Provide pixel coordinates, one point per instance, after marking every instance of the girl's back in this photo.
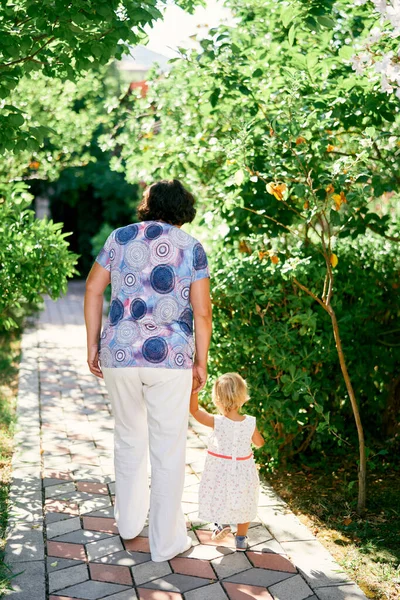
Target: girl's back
(232, 438)
(229, 485)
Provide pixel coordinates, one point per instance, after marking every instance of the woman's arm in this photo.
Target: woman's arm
(202, 314)
(257, 439)
(199, 414)
(96, 283)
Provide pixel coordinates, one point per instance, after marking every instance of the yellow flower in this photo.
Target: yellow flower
(274, 259)
(329, 189)
(300, 140)
(276, 189)
(339, 199)
(330, 148)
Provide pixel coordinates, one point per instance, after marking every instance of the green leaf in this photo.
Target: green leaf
(16, 119)
(214, 96)
(346, 52)
(291, 35)
(287, 15)
(257, 73)
(326, 21)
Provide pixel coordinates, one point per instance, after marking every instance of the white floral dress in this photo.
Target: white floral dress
(229, 488)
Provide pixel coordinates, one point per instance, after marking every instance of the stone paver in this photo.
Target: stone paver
(294, 588)
(145, 572)
(64, 456)
(66, 577)
(91, 590)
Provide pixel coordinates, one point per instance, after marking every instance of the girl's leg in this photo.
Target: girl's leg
(130, 449)
(167, 395)
(242, 528)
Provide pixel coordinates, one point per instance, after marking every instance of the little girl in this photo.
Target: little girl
(229, 485)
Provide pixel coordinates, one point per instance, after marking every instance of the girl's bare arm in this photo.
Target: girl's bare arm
(257, 439)
(199, 414)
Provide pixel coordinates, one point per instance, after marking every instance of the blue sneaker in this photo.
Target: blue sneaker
(241, 543)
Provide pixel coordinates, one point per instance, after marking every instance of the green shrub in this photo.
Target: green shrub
(281, 341)
(34, 256)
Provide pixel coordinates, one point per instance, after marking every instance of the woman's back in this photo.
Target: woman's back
(150, 321)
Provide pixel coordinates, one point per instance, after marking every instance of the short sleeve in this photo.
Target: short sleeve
(103, 257)
(200, 268)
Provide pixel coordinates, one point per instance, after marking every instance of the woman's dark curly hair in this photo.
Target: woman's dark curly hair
(167, 201)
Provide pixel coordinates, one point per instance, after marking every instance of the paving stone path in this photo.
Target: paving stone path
(63, 543)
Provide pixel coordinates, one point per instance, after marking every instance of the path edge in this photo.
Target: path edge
(24, 551)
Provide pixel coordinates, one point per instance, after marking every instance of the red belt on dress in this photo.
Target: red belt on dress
(230, 457)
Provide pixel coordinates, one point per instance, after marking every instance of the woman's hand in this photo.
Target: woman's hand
(199, 377)
(93, 361)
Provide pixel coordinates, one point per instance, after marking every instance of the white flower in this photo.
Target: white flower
(380, 6)
(385, 64)
(398, 93)
(385, 85)
(360, 2)
(375, 35)
(357, 65)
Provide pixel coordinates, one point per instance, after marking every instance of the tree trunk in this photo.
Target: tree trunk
(362, 471)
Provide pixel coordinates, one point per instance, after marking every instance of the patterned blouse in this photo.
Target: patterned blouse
(150, 321)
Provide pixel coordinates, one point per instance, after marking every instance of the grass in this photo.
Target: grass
(367, 548)
(9, 361)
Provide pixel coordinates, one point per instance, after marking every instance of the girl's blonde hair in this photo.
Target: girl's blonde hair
(229, 392)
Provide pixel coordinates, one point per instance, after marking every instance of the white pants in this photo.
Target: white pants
(151, 409)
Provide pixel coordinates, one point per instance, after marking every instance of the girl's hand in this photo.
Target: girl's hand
(93, 361)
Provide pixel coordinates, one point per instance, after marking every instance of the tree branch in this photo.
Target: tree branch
(27, 58)
(310, 293)
(392, 238)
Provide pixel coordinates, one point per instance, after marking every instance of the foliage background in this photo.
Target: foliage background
(275, 101)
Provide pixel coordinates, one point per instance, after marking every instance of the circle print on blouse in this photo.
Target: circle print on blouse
(180, 238)
(155, 349)
(183, 290)
(177, 357)
(162, 252)
(122, 357)
(116, 311)
(137, 255)
(149, 328)
(131, 283)
(106, 335)
(186, 321)
(199, 257)
(106, 357)
(126, 234)
(138, 309)
(166, 310)
(162, 279)
(115, 253)
(115, 282)
(153, 231)
(127, 332)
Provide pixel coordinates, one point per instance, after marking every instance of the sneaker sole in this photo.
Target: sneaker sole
(221, 535)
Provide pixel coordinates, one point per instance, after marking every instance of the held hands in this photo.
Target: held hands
(199, 377)
(93, 361)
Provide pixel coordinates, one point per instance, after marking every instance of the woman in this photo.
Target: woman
(159, 284)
